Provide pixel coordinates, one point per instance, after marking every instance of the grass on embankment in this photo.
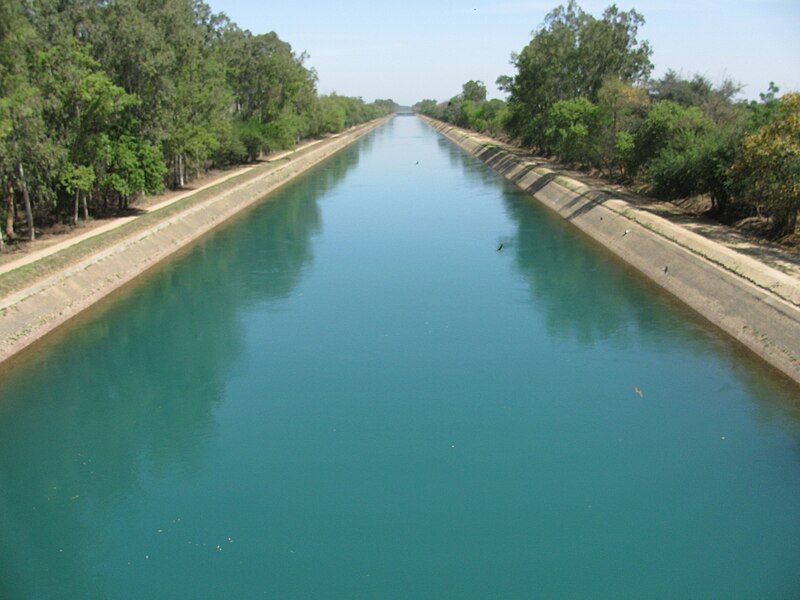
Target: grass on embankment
(25, 275)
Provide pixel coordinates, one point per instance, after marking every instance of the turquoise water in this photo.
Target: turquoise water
(348, 392)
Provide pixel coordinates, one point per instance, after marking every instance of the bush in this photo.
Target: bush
(768, 171)
(572, 130)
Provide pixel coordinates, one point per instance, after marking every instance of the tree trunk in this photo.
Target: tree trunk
(27, 201)
(784, 223)
(75, 211)
(10, 214)
(181, 177)
(85, 207)
(2, 243)
(791, 222)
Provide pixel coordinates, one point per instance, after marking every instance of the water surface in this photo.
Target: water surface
(348, 392)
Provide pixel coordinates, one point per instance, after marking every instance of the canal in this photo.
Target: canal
(349, 391)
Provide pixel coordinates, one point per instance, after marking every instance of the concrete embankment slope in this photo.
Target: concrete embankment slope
(29, 313)
(753, 302)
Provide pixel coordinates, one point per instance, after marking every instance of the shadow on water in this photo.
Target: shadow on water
(617, 304)
(600, 299)
(116, 398)
(460, 160)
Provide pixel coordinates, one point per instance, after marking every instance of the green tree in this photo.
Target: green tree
(769, 168)
(572, 130)
(426, 107)
(621, 110)
(765, 109)
(716, 102)
(101, 102)
(29, 157)
(572, 55)
(474, 91)
(78, 180)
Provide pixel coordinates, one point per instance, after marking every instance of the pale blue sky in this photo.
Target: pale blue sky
(413, 49)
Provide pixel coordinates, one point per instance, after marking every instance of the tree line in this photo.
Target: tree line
(583, 93)
(102, 101)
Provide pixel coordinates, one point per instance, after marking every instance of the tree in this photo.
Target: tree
(101, 102)
(426, 107)
(572, 55)
(78, 180)
(87, 111)
(716, 102)
(28, 154)
(621, 110)
(764, 111)
(474, 91)
(769, 169)
(572, 130)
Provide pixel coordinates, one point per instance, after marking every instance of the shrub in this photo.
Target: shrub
(572, 130)
(769, 169)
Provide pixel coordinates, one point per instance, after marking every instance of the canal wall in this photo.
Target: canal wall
(30, 313)
(754, 303)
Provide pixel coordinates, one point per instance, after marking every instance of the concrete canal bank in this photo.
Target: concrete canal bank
(755, 303)
(38, 307)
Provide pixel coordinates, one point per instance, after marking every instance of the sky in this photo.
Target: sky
(414, 49)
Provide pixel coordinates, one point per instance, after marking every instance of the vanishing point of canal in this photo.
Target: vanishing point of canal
(349, 392)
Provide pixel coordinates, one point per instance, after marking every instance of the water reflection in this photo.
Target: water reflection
(585, 307)
(464, 162)
(136, 383)
(599, 300)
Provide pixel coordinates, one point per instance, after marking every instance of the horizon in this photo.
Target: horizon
(358, 51)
